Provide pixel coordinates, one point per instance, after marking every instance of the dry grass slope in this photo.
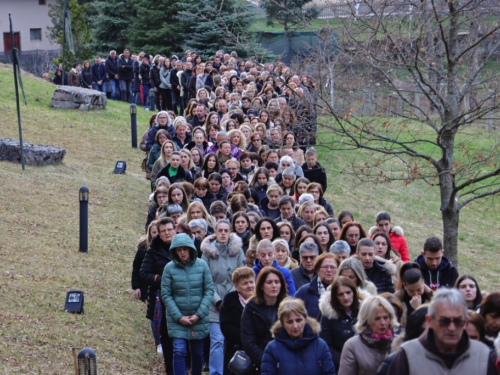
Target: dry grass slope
(39, 236)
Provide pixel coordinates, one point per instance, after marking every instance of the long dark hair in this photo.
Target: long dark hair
(276, 230)
(261, 279)
(334, 302)
(204, 167)
(479, 296)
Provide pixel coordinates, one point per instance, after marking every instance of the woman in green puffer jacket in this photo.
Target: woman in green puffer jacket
(187, 290)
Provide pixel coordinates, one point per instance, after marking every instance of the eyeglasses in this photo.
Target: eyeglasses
(312, 257)
(328, 267)
(445, 322)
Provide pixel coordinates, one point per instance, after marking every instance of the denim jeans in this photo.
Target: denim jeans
(180, 352)
(102, 88)
(113, 83)
(145, 95)
(125, 89)
(216, 350)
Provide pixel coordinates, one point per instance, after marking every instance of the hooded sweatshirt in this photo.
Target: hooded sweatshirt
(445, 275)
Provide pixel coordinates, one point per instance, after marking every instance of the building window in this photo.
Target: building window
(35, 34)
(42, 2)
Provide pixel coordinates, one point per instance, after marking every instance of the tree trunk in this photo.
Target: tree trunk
(450, 234)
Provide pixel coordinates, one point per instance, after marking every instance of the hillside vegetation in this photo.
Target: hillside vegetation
(39, 235)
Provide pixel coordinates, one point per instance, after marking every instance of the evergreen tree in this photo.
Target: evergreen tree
(110, 21)
(154, 27)
(289, 13)
(211, 25)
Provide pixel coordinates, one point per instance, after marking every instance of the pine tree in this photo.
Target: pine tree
(289, 13)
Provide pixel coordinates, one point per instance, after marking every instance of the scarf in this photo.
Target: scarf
(321, 287)
(243, 301)
(385, 336)
(288, 263)
(373, 340)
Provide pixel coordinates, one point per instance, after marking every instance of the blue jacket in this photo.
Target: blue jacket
(310, 295)
(152, 134)
(187, 290)
(99, 73)
(285, 272)
(308, 355)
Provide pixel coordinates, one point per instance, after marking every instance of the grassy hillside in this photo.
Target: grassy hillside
(39, 235)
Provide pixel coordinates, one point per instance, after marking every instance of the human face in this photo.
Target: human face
(183, 253)
(200, 112)
(315, 193)
(226, 179)
(289, 140)
(211, 162)
(272, 286)
(273, 156)
(262, 179)
(294, 325)
(246, 163)
(222, 106)
(260, 131)
(468, 289)
(214, 119)
(288, 181)
(264, 117)
(415, 289)
(285, 233)
(272, 172)
(335, 230)
(307, 260)
(273, 197)
(166, 232)
(199, 138)
(196, 156)
(199, 233)
(281, 255)
(492, 323)
(222, 233)
(266, 230)
(284, 165)
(233, 169)
(257, 141)
(214, 186)
(168, 148)
(432, 260)
(345, 296)
(323, 235)
(311, 160)
(350, 274)
(161, 198)
(384, 226)
(162, 120)
(320, 218)
(246, 133)
(200, 191)
(380, 246)
(176, 196)
(266, 256)
(175, 161)
(367, 255)
(196, 213)
(253, 221)
(246, 287)
(328, 270)
(308, 214)
(212, 132)
(235, 139)
(352, 235)
(286, 210)
(275, 136)
(472, 331)
(345, 220)
(162, 138)
(240, 225)
(184, 160)
(448, 336)
(225, 149)
(153, 231)
(230, 126)
(382, 320)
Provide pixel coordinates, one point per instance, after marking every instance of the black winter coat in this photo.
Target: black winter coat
(151, 215)
(309, 293)
(315, 174)
(222, 194)
(126, 69)
(112, 67)
(381, 278)
(230, 326)
(207, 200)
(86, 78)
(327, 206)
(155, 260)
(137, 82)
(144, 72)
(255, 329)
(179, 177)
(136, 268)
(154, 77)
(174, 81)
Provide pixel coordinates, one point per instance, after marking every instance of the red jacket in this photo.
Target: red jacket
(399, 243)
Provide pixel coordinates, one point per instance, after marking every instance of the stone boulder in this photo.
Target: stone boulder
(69, 97)
(34, 154)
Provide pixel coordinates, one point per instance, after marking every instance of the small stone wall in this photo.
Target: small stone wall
(34, 154)
(69, 97)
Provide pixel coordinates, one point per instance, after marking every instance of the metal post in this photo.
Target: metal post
(133, 124)
(84, 219)
(64, 40)
(15, 63)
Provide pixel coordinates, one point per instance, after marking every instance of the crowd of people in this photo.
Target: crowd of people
(243, 256)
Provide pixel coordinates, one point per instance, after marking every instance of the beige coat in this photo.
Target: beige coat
(359, 359)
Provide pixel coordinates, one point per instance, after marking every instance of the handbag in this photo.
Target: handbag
(241, 364)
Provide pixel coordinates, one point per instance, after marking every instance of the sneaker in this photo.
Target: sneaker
(159, 349)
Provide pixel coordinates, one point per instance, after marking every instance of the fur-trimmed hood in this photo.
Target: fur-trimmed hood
(497, 346)
(313, 323)
(208, 246)
(397, 230)
(325, 305)
(390, 268)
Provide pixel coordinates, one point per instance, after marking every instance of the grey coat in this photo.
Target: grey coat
(222, 259)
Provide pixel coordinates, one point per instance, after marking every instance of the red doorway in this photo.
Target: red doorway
(7, 43)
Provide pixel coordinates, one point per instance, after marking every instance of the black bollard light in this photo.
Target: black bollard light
(133, 124)
(87, 362)
(151, 99)
(84, 219)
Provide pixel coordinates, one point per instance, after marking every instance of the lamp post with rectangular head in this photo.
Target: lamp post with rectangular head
(84, 219)
(133, 124)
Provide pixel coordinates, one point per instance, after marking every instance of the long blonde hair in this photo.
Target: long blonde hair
(163, 160)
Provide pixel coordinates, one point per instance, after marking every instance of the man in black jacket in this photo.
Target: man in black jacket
(184, 81)
(125, 75)
(286, 206)
(112, 70)
(176, 88)
(144, 69)
(99, 76)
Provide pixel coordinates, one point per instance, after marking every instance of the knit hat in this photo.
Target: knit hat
(305, 197)
(182, 240)
(340, 246)
(281, 242)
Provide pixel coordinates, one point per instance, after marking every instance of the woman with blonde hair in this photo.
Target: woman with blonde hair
(306, 212)
(197, 210)
(237, 138)
(363, 354)
(297, 348)
(283, 254)
(167, 149)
